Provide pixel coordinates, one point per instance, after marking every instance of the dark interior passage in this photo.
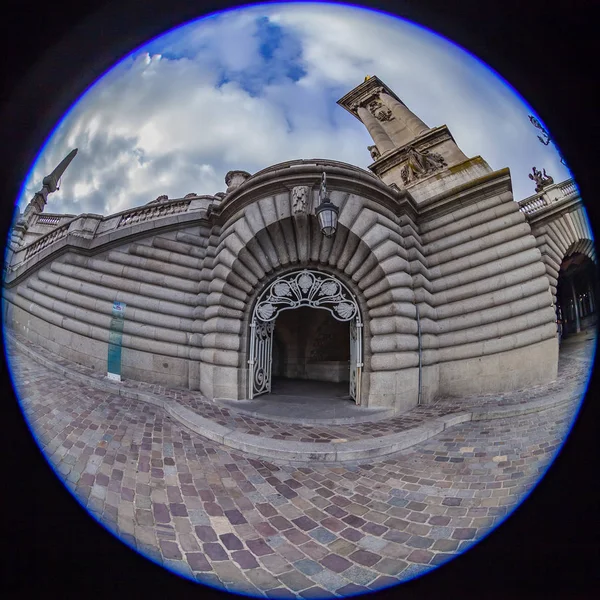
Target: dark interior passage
(576, 295)
(310, 344)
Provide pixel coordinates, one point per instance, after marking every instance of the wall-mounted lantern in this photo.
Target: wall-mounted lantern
(326, 212)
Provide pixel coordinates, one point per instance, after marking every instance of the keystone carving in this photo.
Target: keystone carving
(300, 196)
(420, 164)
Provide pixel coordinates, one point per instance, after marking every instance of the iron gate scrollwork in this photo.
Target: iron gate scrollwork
(293, 290)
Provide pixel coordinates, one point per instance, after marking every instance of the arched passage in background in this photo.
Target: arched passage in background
(577, 294)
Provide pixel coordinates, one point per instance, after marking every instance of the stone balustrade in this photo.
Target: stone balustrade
(548, 196)
(46, 240)
(52, 220)
(90, 225)
(154, 211)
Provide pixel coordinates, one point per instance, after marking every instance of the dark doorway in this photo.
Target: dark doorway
(576, 295)
(311, 354)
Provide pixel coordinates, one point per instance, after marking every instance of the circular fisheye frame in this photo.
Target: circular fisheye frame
(300, 377)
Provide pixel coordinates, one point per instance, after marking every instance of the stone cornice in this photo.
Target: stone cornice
(363, 93)
(428, 140)
(491, 184)
(340, 177)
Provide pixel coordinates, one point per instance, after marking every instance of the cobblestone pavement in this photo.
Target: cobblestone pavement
(277, 530)
(572, 373)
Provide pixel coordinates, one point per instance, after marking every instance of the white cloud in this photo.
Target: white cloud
(159, 123)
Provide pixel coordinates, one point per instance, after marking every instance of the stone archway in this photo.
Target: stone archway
(576, 293)
(294, 290)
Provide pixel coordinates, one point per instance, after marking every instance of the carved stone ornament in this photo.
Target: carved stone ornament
(420, 164)
(300, 196)
(375, 154)
(542, 180)
(379, 111)
(162, 198)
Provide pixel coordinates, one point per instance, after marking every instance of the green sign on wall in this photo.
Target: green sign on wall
(115, 337)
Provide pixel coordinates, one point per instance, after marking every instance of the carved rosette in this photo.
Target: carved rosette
(300, 198)
(420, 164)
(306, 288)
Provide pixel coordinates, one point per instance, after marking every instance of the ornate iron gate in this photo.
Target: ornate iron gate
(292, 290)
(355, 359)
(261, 356)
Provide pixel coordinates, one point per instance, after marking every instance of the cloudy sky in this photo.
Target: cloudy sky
(257, 86)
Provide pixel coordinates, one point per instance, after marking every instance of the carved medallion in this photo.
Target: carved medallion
(379, 111)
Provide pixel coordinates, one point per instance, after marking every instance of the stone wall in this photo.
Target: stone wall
(465, 258)
(484, 299)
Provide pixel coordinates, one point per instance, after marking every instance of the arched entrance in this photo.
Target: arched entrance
(576, 294)
(304, 290)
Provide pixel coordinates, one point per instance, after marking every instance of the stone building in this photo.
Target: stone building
(433, 281)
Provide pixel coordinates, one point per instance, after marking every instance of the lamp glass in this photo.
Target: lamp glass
(327, 213)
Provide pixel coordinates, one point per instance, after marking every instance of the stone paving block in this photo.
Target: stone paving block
(372, 543)
(231, 541)
(360, 575)
(261, 578)
(314, 550)
(308, 567)
(215, 551)
(316, 592)
(280, 592)
(146, 477)
(259, 547)
(275, 564)
(365, 558)
(295, 581)
(336, 563)
(351, 589)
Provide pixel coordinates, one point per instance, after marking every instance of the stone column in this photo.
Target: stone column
(576, 306)
(412, 122)
(380, 137)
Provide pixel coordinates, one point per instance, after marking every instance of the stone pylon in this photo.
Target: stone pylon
(38, 202)
(405, 149)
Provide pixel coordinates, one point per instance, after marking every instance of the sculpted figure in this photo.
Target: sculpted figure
(542, 179)
(375, 154)
(420, 164)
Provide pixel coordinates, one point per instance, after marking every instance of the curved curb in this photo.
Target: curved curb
(377, 414)
(329, 452)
